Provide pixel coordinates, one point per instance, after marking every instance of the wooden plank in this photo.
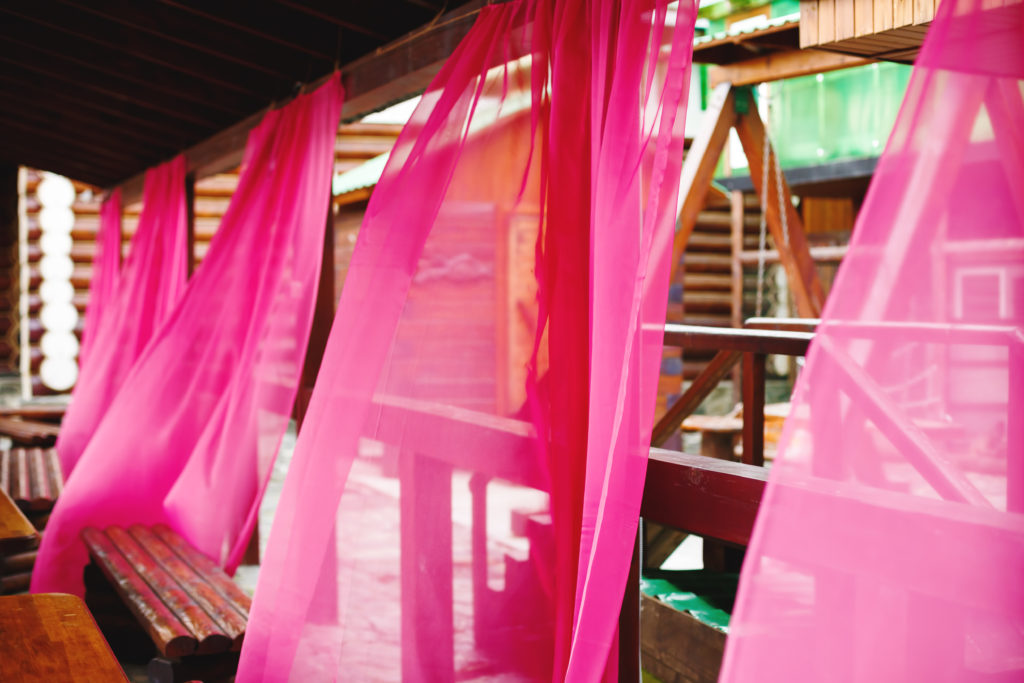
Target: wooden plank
(808, 23)
(737, 213)
(783, 324)
(863, 17)
(678, 647)
(699, 389)
(724, 339)
(699, 165)
(16, 533)
(825, 254)
(826, 21)
(779, 65)
(207, 633)
(428, 639)
(883, 15)
(705, 496)
(56, 474)
(792, 246)
(224, 613)
(845, 27)
(53, 638)
(171, 637)
(924, 11)
(753, 408)
(205, 566)
(5, 471)
(902, 13)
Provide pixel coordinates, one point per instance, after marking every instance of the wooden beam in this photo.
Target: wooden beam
(705, 496)
(721, 364)
(779, 65)
(791, 243)
(397, 71)
(699, 165)
(726, 339)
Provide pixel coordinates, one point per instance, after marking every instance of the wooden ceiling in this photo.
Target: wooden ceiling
(99, 90)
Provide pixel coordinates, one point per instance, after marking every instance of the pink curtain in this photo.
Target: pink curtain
(464, 494)
(190, 438)
(890, 543)
(150, 285)
(106, 268)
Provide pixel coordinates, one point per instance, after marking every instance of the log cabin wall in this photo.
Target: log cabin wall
(356, 143)
(9, 269)
(882, 29)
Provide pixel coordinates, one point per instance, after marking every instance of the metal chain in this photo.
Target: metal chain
(763, 237)
(766, 158)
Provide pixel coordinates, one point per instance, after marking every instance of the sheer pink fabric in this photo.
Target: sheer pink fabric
(890, 544)
(190, 438)
(106, 269)
(464, 495)
(150, 285)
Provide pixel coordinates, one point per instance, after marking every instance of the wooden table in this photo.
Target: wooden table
(52, 637)
(16, 533)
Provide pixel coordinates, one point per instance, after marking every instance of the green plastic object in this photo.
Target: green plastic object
(707, 596)
(846, 114)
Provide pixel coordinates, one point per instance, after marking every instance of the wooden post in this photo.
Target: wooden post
(699, 166)
(736, 215)
(753, 408)
(428, 640)
(801, 272)
(190, 221)
(629, 618)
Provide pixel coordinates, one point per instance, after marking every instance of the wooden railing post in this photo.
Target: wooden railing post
(753, 408)
(629, 617)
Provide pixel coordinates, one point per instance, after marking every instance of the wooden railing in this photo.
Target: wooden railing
(716, 499)
(750, 346)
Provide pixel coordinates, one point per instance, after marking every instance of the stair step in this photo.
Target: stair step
(722, 221)
(701, 263)
(707, 281)
(709, 241)
(706, 302)
(708, 320)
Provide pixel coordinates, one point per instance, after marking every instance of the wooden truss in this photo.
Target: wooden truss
(734, 108)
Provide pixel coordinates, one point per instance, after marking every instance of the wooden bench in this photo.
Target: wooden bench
(192, 612)
(24, 432)
(50, 638)
(18, 543)
(32, 478)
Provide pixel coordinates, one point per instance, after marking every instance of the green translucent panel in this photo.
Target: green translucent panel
(843, 114)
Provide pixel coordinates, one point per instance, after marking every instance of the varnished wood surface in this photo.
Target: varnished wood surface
(16, 533)
(28, 432)
(31, 477)
(52, 637)
(184, 601)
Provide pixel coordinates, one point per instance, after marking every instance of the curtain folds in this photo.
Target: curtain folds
(190, 438)
(106, 269)
(890, 542)
(148, 288)
(463, 498)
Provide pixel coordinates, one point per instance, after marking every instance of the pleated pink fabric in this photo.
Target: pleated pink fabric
(890, 543)
(190, 438)
(464, 494)
(149, 287)
(106, 271)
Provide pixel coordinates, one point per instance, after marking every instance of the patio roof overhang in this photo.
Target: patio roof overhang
(100, 91)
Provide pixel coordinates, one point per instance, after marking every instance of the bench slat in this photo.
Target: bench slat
(56, 474)
(40, 482)
(166, 630)
(206, 567)
(209, 636)
(21, 475)
(5, 471)
(197, 586)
